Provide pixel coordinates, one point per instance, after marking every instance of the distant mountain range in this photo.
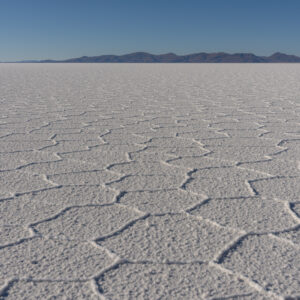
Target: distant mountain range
(202, 57)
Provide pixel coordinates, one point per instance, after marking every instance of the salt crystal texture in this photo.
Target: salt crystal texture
(149, 181)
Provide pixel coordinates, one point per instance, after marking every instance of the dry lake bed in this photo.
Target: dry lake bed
(149, 181)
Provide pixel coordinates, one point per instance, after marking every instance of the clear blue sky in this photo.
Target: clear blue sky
(40, 29)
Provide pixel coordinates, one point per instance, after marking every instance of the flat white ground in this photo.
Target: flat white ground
(149, 181)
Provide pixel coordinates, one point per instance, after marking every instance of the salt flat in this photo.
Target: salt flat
(150, 181)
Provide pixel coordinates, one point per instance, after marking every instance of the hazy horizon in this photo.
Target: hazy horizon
(49, 58)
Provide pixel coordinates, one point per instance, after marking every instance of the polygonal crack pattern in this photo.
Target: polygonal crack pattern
(149, 182)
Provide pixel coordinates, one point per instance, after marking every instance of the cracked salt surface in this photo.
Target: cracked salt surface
(143, 181)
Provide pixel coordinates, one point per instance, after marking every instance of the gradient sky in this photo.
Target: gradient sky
(40, 29)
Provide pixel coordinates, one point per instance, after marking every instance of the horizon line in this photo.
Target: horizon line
(149, 53)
